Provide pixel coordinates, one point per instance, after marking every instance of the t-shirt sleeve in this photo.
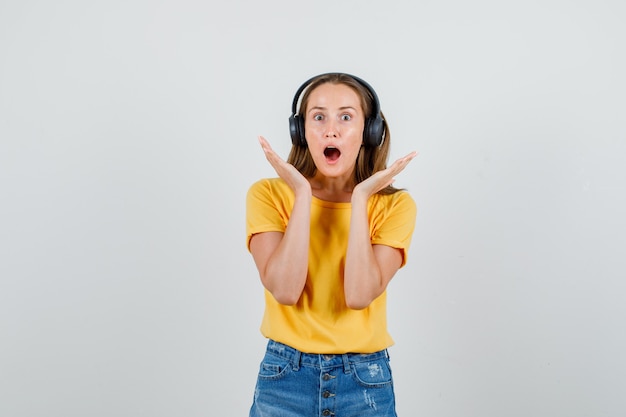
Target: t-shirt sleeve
(394, 224)
(264, 210)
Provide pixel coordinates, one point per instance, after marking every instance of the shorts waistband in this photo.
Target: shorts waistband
(298, 358)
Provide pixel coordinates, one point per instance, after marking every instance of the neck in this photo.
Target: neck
(337, 190)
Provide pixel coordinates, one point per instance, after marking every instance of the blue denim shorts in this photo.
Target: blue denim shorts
(295, 384)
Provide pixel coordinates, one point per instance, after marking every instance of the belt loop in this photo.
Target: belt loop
(346, 363)
(296, 359)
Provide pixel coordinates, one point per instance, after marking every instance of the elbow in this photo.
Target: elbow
(358, 306)
(286, 298)
(287, 295)
(357, 303)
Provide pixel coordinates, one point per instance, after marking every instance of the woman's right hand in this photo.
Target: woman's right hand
(294, 179)
(283, 258)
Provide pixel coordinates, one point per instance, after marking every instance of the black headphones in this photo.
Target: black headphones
(373, 132)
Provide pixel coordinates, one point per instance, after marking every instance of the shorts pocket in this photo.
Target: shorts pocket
(274, 367)
(372, 374)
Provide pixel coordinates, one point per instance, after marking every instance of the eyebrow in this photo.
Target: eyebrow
(324, 108)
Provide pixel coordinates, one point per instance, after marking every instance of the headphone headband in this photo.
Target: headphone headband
(373, 132)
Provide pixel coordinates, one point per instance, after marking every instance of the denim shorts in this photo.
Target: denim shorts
(295, 384)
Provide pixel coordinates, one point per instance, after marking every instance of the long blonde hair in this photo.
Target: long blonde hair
(370, 159)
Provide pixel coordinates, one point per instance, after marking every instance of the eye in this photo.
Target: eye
(346, 117)
(318, 117)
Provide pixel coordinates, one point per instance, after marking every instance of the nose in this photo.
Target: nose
(331, 130)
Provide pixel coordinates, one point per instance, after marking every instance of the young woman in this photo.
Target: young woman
(327, 235)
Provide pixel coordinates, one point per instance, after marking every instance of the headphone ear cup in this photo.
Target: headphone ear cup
(296, 130)
(373, 131)
(293, 130)
(301, 132)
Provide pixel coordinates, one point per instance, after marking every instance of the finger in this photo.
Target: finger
(264, 143)
(401, 163)
(267, 149)
(409, 157)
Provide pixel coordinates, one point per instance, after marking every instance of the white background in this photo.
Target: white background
(128, 141)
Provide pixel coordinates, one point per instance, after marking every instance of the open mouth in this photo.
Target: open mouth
(332, 154)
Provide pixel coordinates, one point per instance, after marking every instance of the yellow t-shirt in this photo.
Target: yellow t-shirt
(320, 322)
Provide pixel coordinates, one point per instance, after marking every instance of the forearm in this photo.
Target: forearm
(363, 279)
(286, 269)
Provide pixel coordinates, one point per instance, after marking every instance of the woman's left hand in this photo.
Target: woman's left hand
(382, 179)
